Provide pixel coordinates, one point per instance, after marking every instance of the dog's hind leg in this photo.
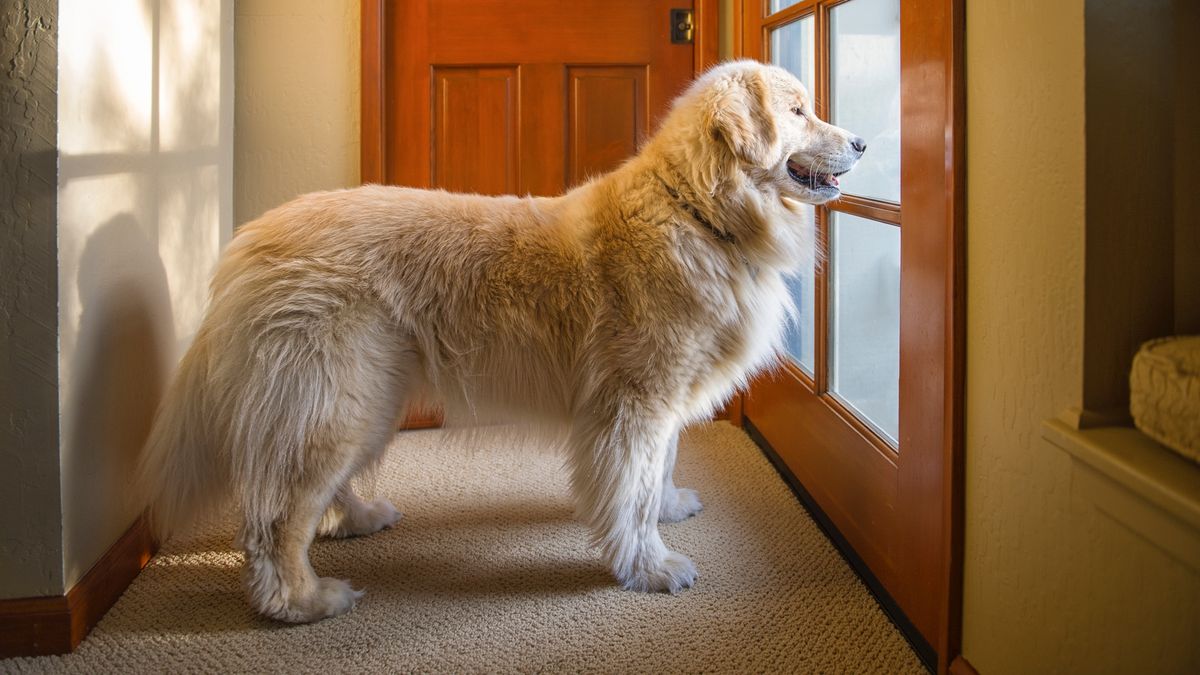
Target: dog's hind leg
(279, 578)
(677, 503)
(350, 516)
(337, 409)
(617, 474)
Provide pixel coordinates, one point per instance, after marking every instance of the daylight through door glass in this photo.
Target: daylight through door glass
(864, 72)
(864, 335)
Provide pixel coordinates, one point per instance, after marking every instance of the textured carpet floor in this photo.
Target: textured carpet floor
(487, 572)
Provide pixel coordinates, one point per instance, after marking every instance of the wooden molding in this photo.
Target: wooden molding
(57, 624)
(960, 666)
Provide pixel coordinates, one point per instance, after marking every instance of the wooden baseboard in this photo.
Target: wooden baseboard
(57, 624)
(960, 666)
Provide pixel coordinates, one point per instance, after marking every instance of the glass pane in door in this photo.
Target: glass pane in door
(864, 71)
(777, 5)
(800, 338)
(792, 46)
(864, 335)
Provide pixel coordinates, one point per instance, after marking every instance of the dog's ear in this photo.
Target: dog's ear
(739, 117)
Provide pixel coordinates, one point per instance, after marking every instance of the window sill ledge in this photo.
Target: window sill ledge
(1137, 482)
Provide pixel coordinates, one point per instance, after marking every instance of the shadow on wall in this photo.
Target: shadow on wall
(144, 199)
(120, 361)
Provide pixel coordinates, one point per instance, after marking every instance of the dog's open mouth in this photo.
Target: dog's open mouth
(813, 181)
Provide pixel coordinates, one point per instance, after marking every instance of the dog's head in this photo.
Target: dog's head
(760, 122)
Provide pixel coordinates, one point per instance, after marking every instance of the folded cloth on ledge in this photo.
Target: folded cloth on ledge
(1164, 393)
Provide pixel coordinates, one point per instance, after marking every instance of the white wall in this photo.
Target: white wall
(145, 202)
(297, 118)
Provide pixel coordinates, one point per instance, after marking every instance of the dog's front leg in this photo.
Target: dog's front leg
(677, 503)
(618, 480)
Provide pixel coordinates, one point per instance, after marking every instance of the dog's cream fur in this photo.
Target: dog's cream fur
(611, 316)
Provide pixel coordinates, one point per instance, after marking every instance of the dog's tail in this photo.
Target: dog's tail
(180, 478)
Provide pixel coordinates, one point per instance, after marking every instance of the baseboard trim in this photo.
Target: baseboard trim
(961, 666)
(57, 624)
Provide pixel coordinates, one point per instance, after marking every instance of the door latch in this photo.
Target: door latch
(683, 26)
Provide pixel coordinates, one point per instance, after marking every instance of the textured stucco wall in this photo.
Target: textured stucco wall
(144, 203)
(297, 118)
(30, 522)
(1187, 168)
(1050, 584)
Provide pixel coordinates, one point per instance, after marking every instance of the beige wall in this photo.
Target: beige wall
(1051, 585)
(144, 204)
(297, 111)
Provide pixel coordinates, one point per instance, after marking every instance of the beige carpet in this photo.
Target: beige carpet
(487, 572)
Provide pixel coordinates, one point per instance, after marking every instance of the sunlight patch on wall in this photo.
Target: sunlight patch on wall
(105, 78)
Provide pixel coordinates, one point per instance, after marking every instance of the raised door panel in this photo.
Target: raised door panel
(475, 126)
(606, 118)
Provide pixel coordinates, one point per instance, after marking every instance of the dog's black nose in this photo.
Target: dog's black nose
(859, 144)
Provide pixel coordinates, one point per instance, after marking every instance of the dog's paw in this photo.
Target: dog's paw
(377, 515)
(330, 597)
(333, 597)
(361, 519)
(675, 573)
(681, 505)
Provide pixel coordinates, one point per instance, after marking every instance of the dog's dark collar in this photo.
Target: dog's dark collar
(695, 213)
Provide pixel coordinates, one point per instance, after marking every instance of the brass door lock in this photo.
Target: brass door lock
(683, 26)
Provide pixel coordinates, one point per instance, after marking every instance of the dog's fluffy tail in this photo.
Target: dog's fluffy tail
(180, 478)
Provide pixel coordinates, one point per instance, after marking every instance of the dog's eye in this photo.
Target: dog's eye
(797, 111)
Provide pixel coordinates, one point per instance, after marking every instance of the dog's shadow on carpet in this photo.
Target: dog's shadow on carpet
(487, 549)
(476, 553)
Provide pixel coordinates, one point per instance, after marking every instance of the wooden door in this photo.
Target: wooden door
(518, 96)
(866, 412)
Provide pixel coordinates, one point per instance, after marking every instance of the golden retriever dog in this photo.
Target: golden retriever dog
(608, 318)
